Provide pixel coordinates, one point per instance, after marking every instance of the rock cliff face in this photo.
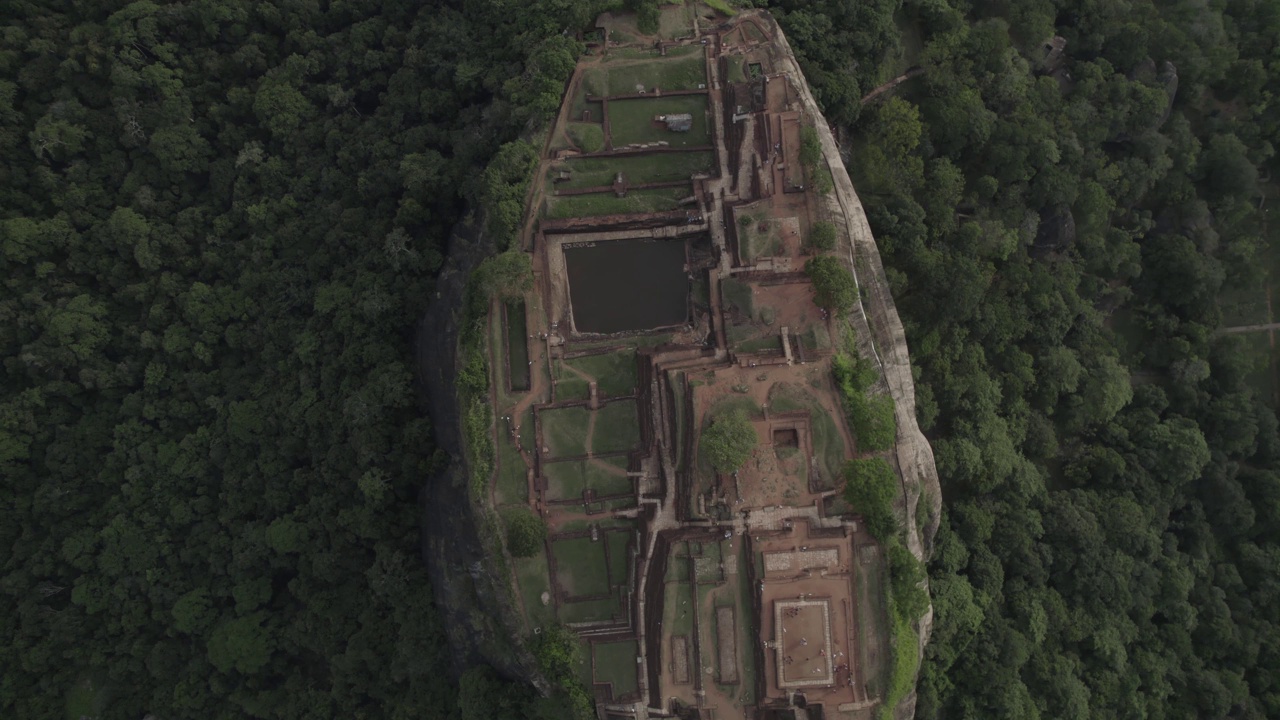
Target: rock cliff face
(467, 589)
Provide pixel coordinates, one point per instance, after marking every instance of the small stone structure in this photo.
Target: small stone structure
(679, 122)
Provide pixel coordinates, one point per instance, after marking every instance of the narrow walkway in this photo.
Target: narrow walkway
(1249, 328)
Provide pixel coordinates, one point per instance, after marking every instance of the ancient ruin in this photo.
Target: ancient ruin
(669, 227)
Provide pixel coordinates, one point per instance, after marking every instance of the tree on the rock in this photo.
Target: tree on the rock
(507, 275)
(525, 533)
(832, 283)
(870, 486)
(729, 441)
(822, 236)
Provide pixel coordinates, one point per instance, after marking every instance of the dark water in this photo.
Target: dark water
(627, 285)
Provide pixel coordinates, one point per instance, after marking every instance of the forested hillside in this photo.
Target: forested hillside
(219, 222)
(1065, 236)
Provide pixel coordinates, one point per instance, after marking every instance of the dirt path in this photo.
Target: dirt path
(1268, 327)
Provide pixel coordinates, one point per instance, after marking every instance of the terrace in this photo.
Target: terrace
(668, 254)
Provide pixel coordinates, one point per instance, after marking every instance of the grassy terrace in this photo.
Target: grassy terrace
(632, 121)
(615, 663)
(566, 430)
(607, 203)
(586, 136)
(568, 479)
(631, 53)
(615, 373)
(684, 73)
(591, 610)
(637, 169)
(580, 566)
(873, 616)
(533, 578)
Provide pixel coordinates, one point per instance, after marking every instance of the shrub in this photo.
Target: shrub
(507, 275)
(871, 417)
(525, 532)
(647, 15)
(910, 600)
(810, 147)
(822, 236)
(873, 422)
(588, 137)
(870, 487)
(729, 441)
(834, 286)
(559, 655)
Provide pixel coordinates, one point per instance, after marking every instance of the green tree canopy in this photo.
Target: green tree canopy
(833, 285)
(526, 532)
(822, 236)
(729, 440)
(507, 275)
(870, 488)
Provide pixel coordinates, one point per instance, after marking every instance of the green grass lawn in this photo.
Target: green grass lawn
(615, 373)
(768, 342)
(873, 617)
(638, 169)
(571, 387)
(595, 83)
(678, 612)
(757, 243)
(607, 203)
(512, 485)
(567, 480)
(533, 578)
(617, 427)
(518, 345)
(626, 53)
(580, 566)
(737, 70)
(709, 563)
(592, 110)
(631, 121)
(619, 558)
(738, 294)
(684, 73)
(635, 341)
(584, 663)
(615, 663)
(587, 136)
(676, 22)
(604, 524)
(677, 568)
(565, 430)
(590, 610)
(815, 337)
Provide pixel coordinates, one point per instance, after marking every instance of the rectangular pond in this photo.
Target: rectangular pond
(627, 284)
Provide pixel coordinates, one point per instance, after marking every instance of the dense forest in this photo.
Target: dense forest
(220, 220)
(1066, 233)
